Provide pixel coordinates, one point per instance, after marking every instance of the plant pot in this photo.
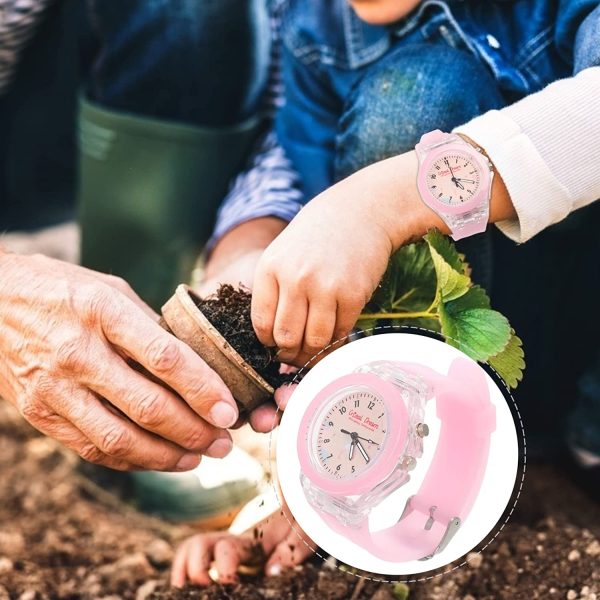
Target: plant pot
(186, 321)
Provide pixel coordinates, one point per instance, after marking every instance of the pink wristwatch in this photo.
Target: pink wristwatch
(455, 181)
(363, 434)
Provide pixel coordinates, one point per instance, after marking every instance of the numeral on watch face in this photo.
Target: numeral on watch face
(453, 179)
(351, 434)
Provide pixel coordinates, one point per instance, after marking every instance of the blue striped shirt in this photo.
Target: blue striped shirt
(269, 185)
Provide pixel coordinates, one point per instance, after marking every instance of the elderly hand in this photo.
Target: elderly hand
(66, 336)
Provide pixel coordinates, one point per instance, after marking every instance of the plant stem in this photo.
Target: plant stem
(424, 314)
(398, 303)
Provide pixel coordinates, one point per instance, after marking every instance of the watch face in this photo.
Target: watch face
(349, 433)
(453, 179)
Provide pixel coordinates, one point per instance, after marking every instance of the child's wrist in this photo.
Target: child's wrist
(406, 217)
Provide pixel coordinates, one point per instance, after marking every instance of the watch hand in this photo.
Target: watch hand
(465, 180)
(362, 451)
(355, 435)
(351, 450)
(451, 171)
(454, 179)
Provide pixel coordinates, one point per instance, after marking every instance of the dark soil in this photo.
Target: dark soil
(62, 537)
(229, 311)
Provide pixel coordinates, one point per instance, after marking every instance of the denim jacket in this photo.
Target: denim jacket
(525, 44)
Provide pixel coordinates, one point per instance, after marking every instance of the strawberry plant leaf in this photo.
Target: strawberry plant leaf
(451, 283)
(428, 284)
(409, 284)
(475, 298)
(478, 332)
(447, 250)
(509, 363)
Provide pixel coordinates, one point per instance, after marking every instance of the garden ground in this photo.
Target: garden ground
(62, 536)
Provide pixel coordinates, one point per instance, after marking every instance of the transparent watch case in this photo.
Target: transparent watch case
(354, 510)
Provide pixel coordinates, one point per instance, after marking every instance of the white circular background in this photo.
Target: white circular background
(499, 476)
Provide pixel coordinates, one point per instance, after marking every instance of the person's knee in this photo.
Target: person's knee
(168, 59)
(413, 90)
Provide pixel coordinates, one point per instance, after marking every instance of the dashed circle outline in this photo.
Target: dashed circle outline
(436, 575)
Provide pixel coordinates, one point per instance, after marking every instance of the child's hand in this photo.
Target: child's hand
(315, 278)
(279, 542)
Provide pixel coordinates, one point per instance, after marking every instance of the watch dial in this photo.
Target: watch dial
(350, 433)
(453, 179)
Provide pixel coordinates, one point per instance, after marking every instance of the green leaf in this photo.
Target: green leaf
(451, 283)
(509, 363)
(476, 297)
(432, 278)
(432, 324)
(446, 248)
(409, 284)
(450, 267)
(478, 332)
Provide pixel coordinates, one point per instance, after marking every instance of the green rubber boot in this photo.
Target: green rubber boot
(209, 496)
(148, 194)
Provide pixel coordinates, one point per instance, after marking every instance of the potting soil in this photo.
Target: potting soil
(229, 312)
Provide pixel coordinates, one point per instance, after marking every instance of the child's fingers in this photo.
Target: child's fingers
(289, 552)
(290, 322)
(179, 566)
(199, 555)
(282, 395)
(320, 323)
(229, 554)
(264, 306)
(346, 317)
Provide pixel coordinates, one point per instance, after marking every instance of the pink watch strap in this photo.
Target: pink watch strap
(433, 138)
(444, 500)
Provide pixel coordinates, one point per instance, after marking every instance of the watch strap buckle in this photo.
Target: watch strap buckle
(452, 526)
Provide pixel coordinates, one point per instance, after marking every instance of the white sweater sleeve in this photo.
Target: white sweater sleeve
(547, 149)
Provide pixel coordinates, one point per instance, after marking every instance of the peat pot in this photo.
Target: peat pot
(182, 317)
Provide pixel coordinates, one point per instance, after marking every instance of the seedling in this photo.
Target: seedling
(428, 284)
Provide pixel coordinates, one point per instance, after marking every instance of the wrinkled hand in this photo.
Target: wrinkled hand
(67, 335)
(280, 543)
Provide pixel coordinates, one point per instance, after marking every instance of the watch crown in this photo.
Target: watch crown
(422, 430)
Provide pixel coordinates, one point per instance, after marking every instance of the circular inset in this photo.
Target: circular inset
(397, 454)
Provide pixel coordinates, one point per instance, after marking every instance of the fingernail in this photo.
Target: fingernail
(219, 448)
(274, 570)
(222, 414)
(187, 462)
